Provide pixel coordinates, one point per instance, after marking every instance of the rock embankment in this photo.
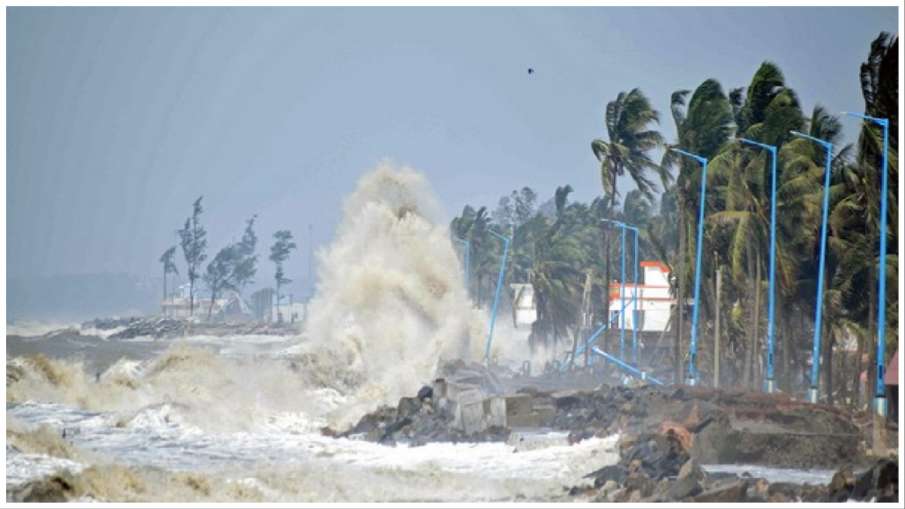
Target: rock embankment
(658, 468)
(165, 327)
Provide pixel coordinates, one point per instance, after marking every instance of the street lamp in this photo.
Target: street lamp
(880, 394)
(769, 384)
(496, 297)
(815, 353)
(693, 347)
(465, 257)
(622, 227)
(634, 295)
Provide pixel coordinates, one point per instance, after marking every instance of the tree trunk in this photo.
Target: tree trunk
(680, 293)
(210, 307)
(716, 328)
(279, 316)
(782, 344)
(828, 365)
(191, 297)
(871, 385)
(756, 345)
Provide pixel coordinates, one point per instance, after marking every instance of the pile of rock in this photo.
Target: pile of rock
(159, 327)
(428, 417)
(152, 327)
(658, 468)
(110, 323)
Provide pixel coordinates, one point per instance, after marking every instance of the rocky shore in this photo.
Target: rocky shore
(658, 468)
(667, 434)
(164, 327)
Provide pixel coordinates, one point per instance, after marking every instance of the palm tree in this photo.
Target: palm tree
(565, 250)
(879, 87)
(630, 139)
(168, 259)
(703, 128)
(473, 226)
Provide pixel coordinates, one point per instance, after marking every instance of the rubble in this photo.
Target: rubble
(713, 426)
(647, 471)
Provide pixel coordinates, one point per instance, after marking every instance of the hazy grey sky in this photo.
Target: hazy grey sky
(118, 118)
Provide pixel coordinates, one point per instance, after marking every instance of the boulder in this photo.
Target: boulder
(688, 481)
(842, 484)
(614, 473)
(426, 392)
(732, 491)
(641, 484)
(879, 482)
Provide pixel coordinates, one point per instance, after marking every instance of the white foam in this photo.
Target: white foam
(23, 467)
(773, 474)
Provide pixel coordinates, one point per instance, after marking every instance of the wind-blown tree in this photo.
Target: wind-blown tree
(565, 248)
(512, 213)
(880, 87)
(218, 275)
(233, 267)
(702, 128)
(193, 239)
(855, 218)
(169, 266)
(279, 253)
(626, 151)
(473, 226)
(246, 268)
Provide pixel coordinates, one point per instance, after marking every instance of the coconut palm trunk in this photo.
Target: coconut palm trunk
(680, 294)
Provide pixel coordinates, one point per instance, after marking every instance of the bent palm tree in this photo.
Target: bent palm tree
(630, 139)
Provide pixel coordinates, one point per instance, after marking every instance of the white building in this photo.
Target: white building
(654, 300)
(523, 304)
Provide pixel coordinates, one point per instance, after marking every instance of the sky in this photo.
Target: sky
(118, 118)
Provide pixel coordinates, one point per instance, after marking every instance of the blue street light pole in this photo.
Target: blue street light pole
(496, 297)
(815, 353)
(634, 295)
(693, 347)
(466, 258)
(621, 226)
(880, 404)
(622, 299)
(769, 383)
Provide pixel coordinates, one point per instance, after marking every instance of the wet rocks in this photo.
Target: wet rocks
(610, 473)
(111, 323)
(688, 482)
(53, 488)
(725, 491)
(657, 468)
(421, 419)
(878, 482)
(155, 328)
(159, 327)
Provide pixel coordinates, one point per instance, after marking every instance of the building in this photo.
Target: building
(654, 301)
(525, 313)
(230, 306)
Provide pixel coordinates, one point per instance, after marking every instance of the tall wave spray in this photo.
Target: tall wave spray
(390, 302)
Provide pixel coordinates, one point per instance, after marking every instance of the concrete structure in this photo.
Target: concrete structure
(229, 307)
(523, 305)
(654, 300)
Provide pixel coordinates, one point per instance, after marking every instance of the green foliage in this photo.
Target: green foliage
(233, 267)
(193, 240)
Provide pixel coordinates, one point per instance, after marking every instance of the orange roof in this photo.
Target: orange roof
(653, 263)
